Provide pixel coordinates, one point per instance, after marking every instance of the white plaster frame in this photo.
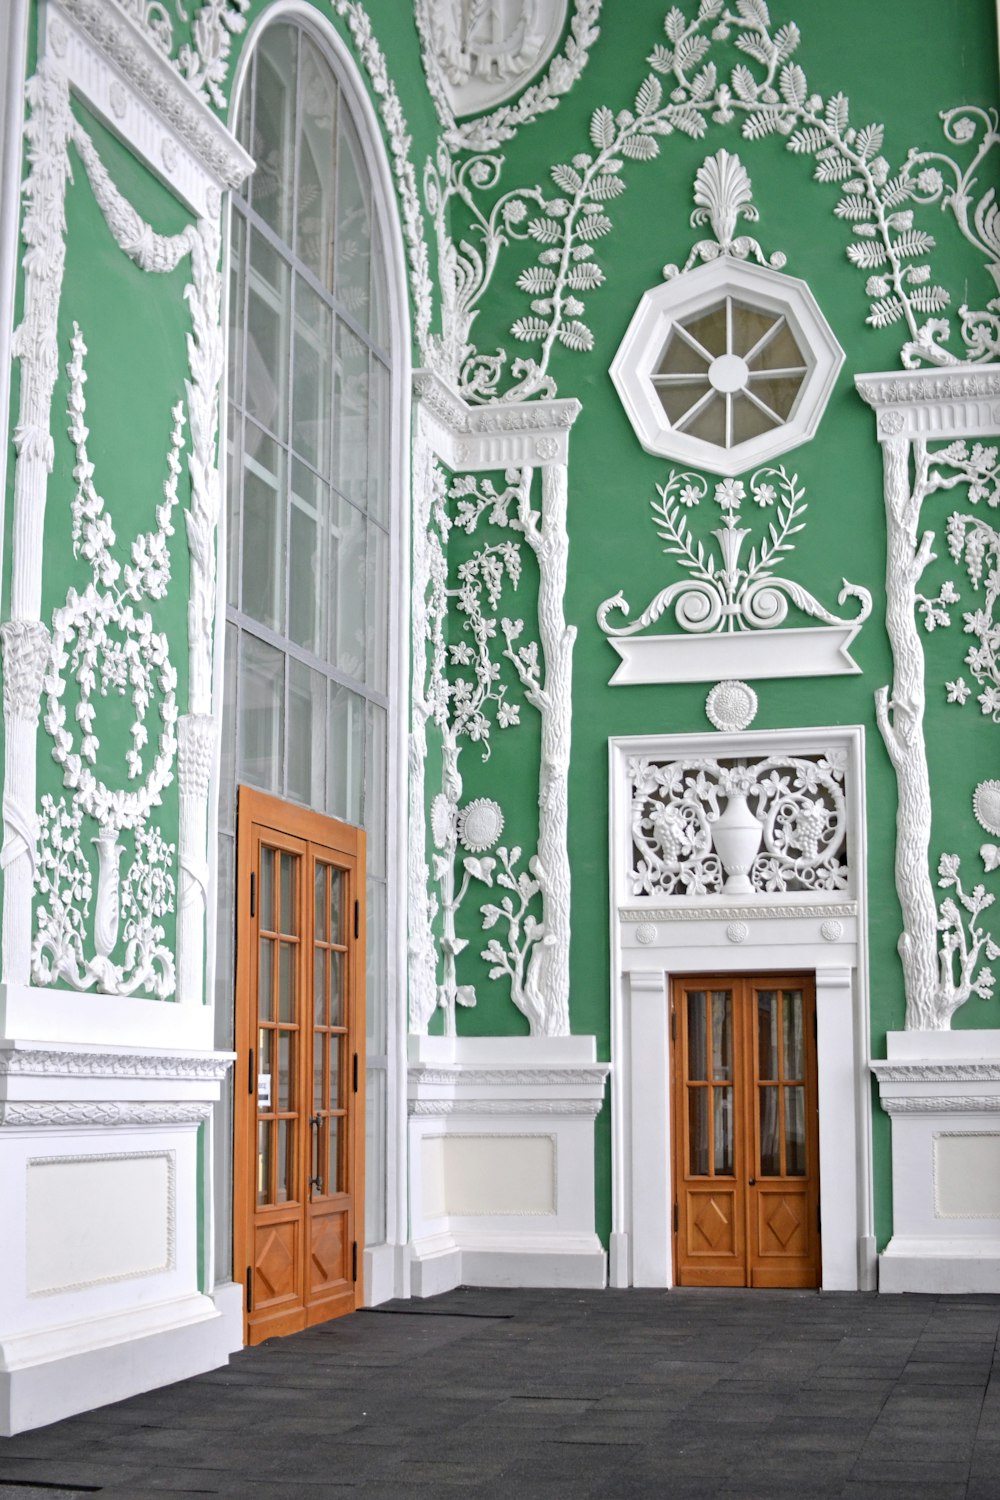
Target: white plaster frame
(653, 939)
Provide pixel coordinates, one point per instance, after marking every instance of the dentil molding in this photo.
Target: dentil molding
(696, 912)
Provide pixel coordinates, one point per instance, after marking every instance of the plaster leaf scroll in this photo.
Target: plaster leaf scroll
(723, 195)
(730, 591)
(203, 62)
(103, 640)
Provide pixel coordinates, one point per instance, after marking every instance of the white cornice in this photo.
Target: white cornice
(514, 434)
(701, 913)
(55, 1113)
(964, 402)
(18, 1058)
(116, 68)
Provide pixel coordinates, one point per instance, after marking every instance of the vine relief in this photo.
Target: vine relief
(203, 62)
(104, 642)
(701, 827)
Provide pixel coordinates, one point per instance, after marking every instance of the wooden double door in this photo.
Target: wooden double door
(745, 1131)
(299, 1099)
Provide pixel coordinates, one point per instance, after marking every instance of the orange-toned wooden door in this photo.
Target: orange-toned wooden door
(299, 1116)
(745, 1131)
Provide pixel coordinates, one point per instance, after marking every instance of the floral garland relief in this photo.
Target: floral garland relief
(104, 640)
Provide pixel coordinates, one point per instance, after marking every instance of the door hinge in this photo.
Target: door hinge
(354, 1261)
(677, 1218)
(355, 1072)
(253, 893)
(249, 1289)
(357, 919)
(250, 1074)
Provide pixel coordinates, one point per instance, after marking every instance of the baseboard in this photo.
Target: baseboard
(447, 1261)
(939, 1267)
(57, 1372)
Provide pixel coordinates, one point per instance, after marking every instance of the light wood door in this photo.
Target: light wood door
(745, 1131)
(299, 1116)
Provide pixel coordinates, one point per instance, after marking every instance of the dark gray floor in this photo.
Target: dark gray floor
(678, 1394)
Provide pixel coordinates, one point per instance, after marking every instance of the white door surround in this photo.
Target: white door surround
(655, 937)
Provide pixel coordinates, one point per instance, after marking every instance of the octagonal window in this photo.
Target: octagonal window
(726, 366)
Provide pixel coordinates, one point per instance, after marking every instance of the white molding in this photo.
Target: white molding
(115, 66)
(476, 438)
(87, 1060)
(801, 651)
(931, 403)
(58, 1114)
(785, 940)
(14, 27)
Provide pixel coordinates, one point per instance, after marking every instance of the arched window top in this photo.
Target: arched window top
(311, 186)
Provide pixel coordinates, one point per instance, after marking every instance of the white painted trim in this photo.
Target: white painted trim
(14, 50)
(960, 402)
(789, 939)
(803, 651)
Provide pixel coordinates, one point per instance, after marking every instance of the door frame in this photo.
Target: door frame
(291, 822)
(653, 940)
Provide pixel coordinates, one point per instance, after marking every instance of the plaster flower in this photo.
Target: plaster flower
(730, 493)
(689, 495)
(480, 824)
(876, 286)
(442, 815)
(765, 494)
(930, 180)
(516, 211)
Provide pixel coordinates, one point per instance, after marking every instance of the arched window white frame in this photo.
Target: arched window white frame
(312, 572)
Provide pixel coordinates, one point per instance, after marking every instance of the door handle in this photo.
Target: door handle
(752, 1182)
(314, 1124)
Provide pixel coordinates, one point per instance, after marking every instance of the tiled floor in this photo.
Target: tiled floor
(519, 1394)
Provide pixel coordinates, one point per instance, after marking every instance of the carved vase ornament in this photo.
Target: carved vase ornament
(737, 836)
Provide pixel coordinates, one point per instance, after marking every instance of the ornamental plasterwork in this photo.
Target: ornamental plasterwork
(84, 1112)
(486, 50)
(703, 827)
(731, 706)
(723, 195)
(732, 587)
(203, 62)
(756, 913)
(43, 1061)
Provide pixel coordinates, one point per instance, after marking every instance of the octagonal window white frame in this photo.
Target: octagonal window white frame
(685, 298)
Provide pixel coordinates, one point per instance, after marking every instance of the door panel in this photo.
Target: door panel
(299, 1118)
(745, 1131)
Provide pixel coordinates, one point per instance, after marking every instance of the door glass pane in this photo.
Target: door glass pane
(698, 1131)
(770, 1134)
(286, 1161)
(265, 395)
(263, 569)
(306, 734)
(264, 1055)
(264, 1163)
(265, 982)
(336, 989)
(337, 1048)
(261, 713)
(321, 930)
(336, 927)
(314, 230)
(312, 375)
(334, 1180)
(697, 1019)
(723, 1132)
(722, 1034)
(795, 1132)
(792, 1016)
(319, 1087)
(286, 982)
(286, 1071)
(321, 969)
(767, 1034)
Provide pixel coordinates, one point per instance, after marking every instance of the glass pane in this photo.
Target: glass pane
(770, 1134)
(709, 329)
(321, 931)
(234, 503)
(350, 470)
(266, 904)
(795, 1065)
(242, 128)
(698, 1132)
(261, 713)
(286, 1071)
(697, 1019)
(286, 918)
(337, 1072)
(375, 1156)
(379, 467)
(265, 394)
(795, 1132)
(346, 749)
(319, 1089)
(321, 969)
(336, 928)
(678, 397)
(377, 634)
(352, 279)
(334, 1174)
(780, 352)
(777, 393)
(312, 373)
(680, 357)
(767, 1034)
(274, 128)
(380, 291)
(317, 165)
(237, 309)
(227, 764)
(749, 326)
(336, 989)
(286, 982)
(723, 1132)
(375, 959)
(262, 592)
(748, 419)
(309, 524)
(722, 1034)
(306, 735)
(265, 980)
(263, 1163)
(265, 1038)
(710, 423)
(286, 1161)
(347, 584)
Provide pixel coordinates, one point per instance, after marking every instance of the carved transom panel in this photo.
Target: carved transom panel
(702, 826)
(726, 366)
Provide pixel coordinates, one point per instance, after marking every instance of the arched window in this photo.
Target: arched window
(308, 563)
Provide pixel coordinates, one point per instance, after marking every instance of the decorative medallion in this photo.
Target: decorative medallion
(832, 931)
(731, 706)
(480, 824)
(442, 820)
(487, 50)
(737, 932)
(986, 806)
(645, 934)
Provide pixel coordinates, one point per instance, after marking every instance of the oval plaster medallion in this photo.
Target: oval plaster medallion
(118, 99)
(737, 932)
(832, 932)
(731, 705)
(645, 934)
(986, 805)
(487, 53)
(168, 153)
